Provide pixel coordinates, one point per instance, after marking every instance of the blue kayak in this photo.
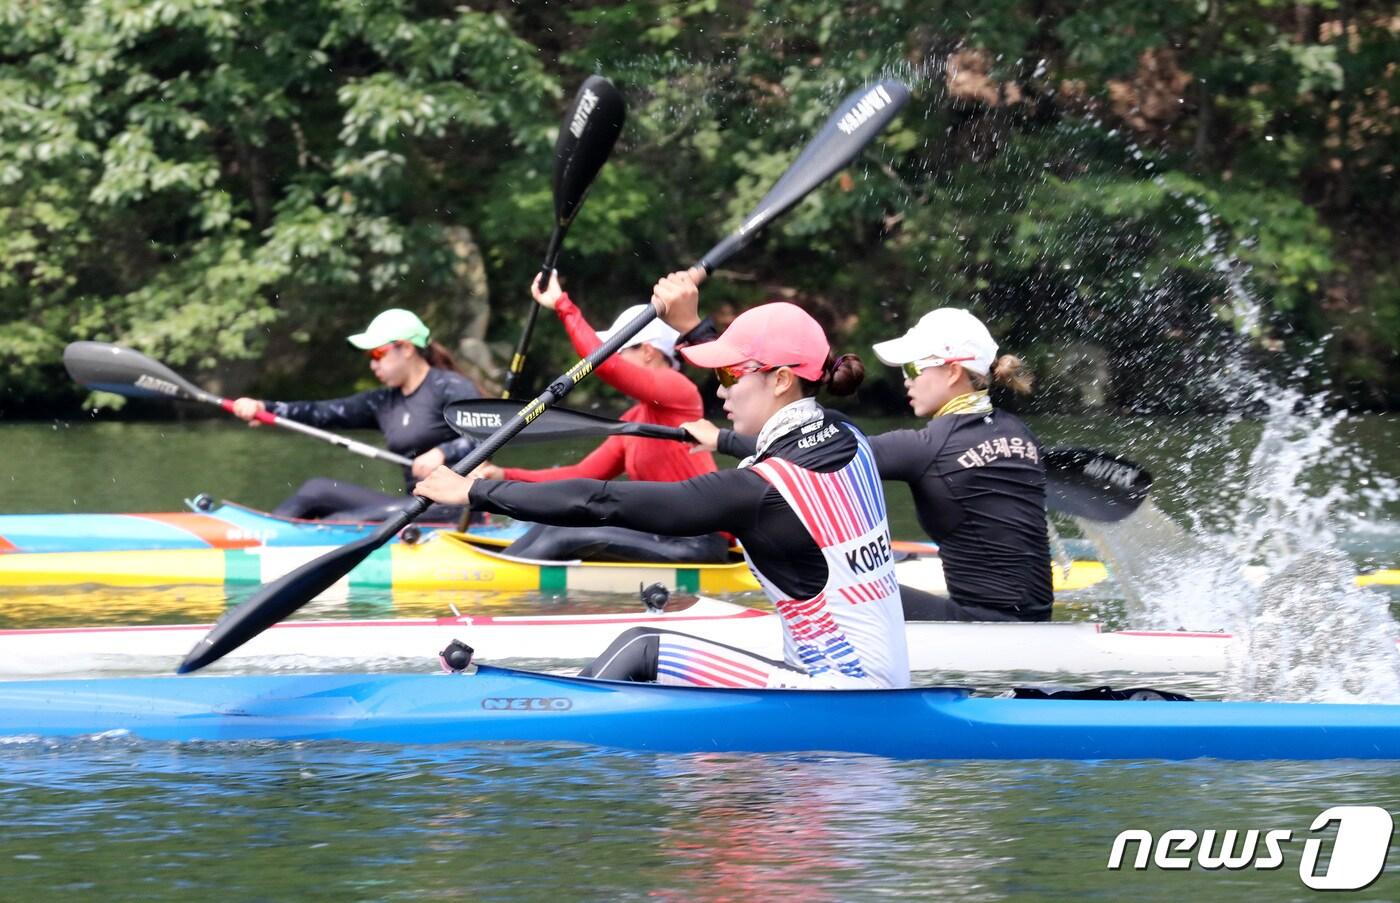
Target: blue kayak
(500, 704)
(209, 524)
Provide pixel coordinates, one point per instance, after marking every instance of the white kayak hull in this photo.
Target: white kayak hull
(1069, 647)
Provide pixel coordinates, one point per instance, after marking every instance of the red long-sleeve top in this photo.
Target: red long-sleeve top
(664, 396)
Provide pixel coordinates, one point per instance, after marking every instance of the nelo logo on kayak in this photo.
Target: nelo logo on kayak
(526, 704)
(1356, 861)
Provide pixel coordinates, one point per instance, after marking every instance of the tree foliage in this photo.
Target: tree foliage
(1121, 188)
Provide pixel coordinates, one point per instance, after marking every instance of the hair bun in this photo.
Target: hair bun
(844, 374)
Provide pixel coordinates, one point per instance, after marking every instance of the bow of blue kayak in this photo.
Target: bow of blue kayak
(497, 704)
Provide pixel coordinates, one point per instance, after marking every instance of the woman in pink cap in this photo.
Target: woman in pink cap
(807, 506)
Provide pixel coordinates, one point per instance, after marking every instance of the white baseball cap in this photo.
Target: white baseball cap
(655, 333)
(948, 333)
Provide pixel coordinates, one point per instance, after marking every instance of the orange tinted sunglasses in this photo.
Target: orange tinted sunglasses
(728, 376)
(376, 354)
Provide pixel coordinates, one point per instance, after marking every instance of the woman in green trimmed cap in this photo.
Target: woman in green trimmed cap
(420, 378)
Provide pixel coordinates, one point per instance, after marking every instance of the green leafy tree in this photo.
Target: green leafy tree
(191, 177)
(1131, 193)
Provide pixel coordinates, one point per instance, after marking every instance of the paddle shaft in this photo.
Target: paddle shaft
(350, 445)
(651, 431)
(517, 360)
(1081, 482)
(478, 418)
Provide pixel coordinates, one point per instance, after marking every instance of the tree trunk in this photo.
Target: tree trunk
(467, 312)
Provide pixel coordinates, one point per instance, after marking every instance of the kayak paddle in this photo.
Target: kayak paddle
(478, 418)
(1080, 482)
(858, 119)
(586, 138)
(112, 368)
(1096, 485)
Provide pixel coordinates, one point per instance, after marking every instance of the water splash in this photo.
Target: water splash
(1275, 576)
(1171, 579)
(1308, 632)
(1312, 635)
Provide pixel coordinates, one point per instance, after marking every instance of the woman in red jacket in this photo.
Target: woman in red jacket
(647, 371)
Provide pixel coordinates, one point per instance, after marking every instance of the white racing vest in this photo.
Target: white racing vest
(851, 634)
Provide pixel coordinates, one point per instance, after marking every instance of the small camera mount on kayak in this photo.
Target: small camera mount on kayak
(457, 657)
(654, 597)
(411, 534)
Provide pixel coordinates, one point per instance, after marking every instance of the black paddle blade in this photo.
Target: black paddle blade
(858, 119)
(111, 368)
(1092, 484)
(590, 129)
(586, 138)
(478, 418)
(276, 601)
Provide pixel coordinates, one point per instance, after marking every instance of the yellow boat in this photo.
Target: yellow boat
(1384, 577)
(444, 561)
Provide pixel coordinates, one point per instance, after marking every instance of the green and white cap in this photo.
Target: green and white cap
(393, 325)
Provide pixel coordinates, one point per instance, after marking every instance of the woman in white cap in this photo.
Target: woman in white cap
(646, 371)
(976, 472)
(807, 506)
(420, 378)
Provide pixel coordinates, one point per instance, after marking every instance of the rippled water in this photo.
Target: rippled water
(134, 821)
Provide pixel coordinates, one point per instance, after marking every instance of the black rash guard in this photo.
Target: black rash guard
(979, 492)
(978, 483)
(739, 502)
(411, 424)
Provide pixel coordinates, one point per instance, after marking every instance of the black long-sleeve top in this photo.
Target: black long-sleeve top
(411, 424)
(978, 483)
(739, 502)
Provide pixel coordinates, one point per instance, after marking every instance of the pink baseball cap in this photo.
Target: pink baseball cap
(777, 334)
